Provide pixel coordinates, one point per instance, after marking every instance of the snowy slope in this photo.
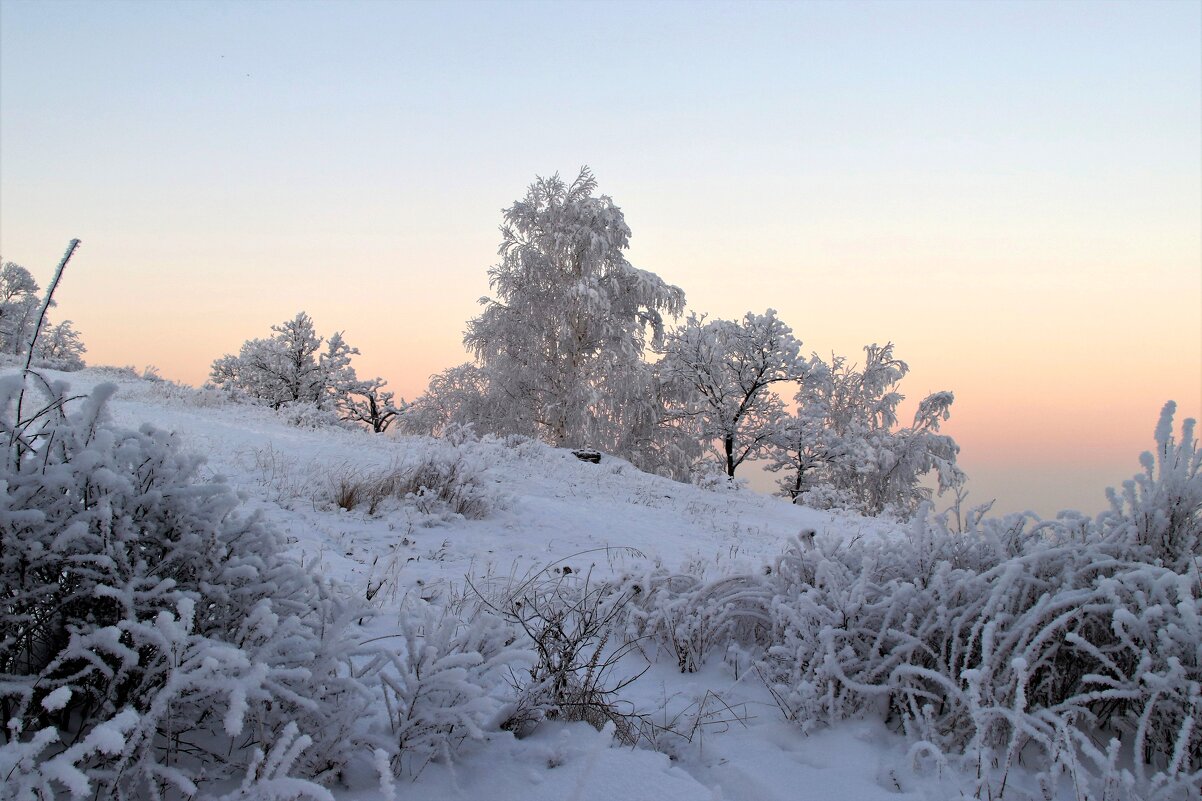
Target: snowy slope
(546, 509)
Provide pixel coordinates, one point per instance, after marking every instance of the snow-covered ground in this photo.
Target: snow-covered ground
(547, 509)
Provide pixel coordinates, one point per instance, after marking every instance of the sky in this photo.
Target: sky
(1010, 192)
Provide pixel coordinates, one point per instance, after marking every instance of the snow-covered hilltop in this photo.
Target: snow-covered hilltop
(380, 616)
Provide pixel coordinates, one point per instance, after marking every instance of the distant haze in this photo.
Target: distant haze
(1011, 192)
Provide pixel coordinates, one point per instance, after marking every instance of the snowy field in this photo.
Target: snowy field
(537, 513)
(552, 510)
(549, 510)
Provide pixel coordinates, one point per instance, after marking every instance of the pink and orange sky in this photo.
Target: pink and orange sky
(1011, 192)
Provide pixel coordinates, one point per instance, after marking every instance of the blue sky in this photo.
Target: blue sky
(1012, 192)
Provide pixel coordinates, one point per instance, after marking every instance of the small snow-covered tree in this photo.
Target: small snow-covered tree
(842, 447)
(799, 446)
(368, 403)
(293, 367)
(721, 373)
(561, 346)
(335, 370)
(280, 369)
(60, 347)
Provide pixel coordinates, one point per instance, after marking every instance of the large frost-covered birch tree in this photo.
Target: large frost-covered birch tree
(720, 374)
(561, 344)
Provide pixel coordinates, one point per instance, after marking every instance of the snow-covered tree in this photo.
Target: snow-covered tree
(18, 307)
(293, 367)
(281, 369)
(458, 396)
(720, 374)
(561, 345)
(58, 346)
(368, 403)
(842, 448)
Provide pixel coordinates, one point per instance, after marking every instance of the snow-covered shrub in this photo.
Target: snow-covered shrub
(129, 588)
(708, 476)
(457, 434)
(445, 684)
(30, 774)
(125, 371)
(573, 626)
(455, 398)
(184, 395)
(446, 484)
(268, 776)
(440, 484)
(308, 415)
(1160, 509)
(987, 653)
(692, 616)
(1005, 638)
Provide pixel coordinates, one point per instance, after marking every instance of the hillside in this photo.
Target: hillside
(545, 509)
(516, 513)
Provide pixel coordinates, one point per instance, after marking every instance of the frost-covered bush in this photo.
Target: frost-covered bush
(691, 616)
(445, 683)
(183, 395)
(992, 654)
(572, 642)
(308, 415)
(440, 483)
(1072, 644)
(709, 476)
(456, 398)
(1160, 509)
(142, 617)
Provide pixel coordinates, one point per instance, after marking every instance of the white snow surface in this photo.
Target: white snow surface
(549, 508)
